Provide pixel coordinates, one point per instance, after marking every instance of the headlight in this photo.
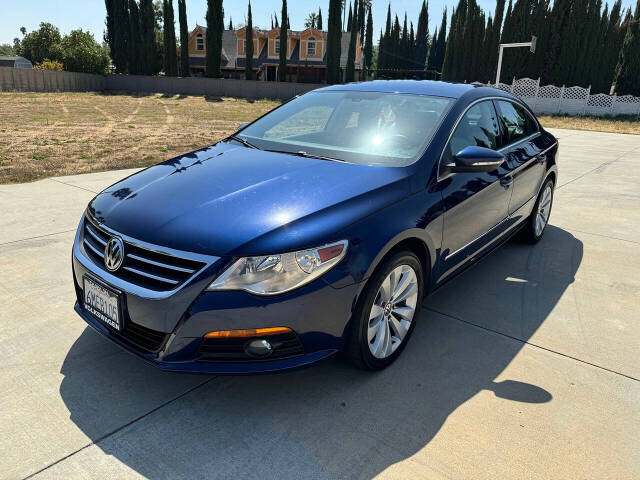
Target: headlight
(273, 274)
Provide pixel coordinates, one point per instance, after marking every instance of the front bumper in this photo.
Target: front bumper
(318, 313)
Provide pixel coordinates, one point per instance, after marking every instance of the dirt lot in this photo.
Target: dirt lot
(52, 134)
(49, 134)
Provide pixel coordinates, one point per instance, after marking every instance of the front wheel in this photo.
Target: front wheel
(386, 314)
(539, 218)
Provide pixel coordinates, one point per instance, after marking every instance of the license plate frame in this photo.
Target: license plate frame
(95, 292)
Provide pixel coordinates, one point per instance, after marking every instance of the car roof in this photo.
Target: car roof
(416, 87)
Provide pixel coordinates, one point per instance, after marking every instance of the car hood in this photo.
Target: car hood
(233, 200)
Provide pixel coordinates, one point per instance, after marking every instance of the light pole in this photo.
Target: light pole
(531, 45)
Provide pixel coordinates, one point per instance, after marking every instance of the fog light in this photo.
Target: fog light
(259, 348)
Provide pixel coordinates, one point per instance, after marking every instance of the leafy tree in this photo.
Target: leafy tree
(422, 37)
(6, 49)
(334, 37)
(215, 25)
(319, 19)
(627, 79)
(170, 54)
(368, 41)
(282, 68)
(248, 68)
(184, 38)
(81, 53)
(40, 44)
(351, 56)
(311, 20)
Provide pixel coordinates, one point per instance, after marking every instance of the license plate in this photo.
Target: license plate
(102, 303)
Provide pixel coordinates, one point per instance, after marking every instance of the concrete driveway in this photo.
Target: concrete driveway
(526, 366)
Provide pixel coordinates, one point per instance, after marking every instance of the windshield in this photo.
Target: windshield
(371, 128)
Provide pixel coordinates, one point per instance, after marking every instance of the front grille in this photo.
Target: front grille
(146, 268)
(142, 337)
(286, 345)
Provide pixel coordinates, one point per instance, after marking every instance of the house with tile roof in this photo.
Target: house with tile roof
(306, 54)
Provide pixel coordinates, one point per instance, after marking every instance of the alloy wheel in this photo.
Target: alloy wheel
(392, 311)
(544, 209)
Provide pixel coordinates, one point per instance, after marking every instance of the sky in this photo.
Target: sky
(89, 15)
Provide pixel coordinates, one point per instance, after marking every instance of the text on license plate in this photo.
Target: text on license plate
(102, 303)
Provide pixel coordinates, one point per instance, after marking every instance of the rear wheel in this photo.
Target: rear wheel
(539, 218)
(387, 312)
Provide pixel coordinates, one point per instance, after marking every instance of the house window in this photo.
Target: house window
(311, 46)
(244, 45)
(277, 42)
(199, 42)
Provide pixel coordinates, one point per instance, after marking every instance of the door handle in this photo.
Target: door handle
(506, 181)
(541, 158)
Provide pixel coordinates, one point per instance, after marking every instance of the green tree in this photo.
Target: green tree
(350, 18)
(422, 37)
(215, 26)
(361, 18)
(135, 38)
(148, 49)
(170, 54)
(184, 38)
(121, 32)
(319, 19)
(627, 77)
(282, 68)
(384, 46)
(81, 53)
(6, 49)
(334, 37)
(230, 23)
(311, 20)
(42, 43)
(351, 55)
(368, 41)
(108, 22)
(248, 67)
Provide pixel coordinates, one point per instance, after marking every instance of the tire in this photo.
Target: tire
(531, 233)
(391, 321)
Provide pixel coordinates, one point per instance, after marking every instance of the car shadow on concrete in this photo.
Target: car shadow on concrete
(329, 420)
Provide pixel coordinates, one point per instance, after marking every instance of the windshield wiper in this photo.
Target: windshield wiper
(242, 141)
(302, 153)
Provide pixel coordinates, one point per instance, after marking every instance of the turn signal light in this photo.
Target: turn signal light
(250, 332)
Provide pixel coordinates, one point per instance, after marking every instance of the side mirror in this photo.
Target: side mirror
(476, 159)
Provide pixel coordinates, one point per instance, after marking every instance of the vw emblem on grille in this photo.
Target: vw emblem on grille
(114, 254)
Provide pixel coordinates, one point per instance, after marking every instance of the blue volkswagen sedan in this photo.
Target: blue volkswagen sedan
(318, 228)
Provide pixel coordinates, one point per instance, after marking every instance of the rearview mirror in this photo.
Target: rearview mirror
(476, 159)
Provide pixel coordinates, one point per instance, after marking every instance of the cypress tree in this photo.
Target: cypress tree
(442, 42)
(395, 44)
(368, 41)
(215, 26)
(230, 23)
(319, 19)
(282, 69)
(148, 35)
(170, 54)
(108, 34)
(403, 57)
(350, 18)
(494, 43)
(135, 38)
(422, 37)
(627, 76)
(411, 48)
(432, 50)
(351, 56)
(334, 35)
(248, 68)
(121, 32)
(184, 38)
(384, 46)
(361, 19)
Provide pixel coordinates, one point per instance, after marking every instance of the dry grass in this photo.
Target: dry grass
(629, 124)
(49, 134)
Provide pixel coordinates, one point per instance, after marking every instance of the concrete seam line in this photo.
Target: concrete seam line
(594, 169)
(122, 427)
(36, 237)
(532, 344)
(603, 236)
(71, 185)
